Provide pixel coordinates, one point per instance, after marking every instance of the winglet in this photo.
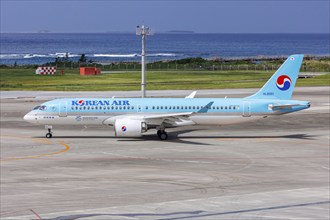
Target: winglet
(206, 108)
(192, 95)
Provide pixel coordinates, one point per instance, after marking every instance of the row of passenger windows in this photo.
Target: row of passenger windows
(234, 107)
(231, 107)
(103, 108)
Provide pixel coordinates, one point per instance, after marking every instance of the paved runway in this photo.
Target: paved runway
(276, 168)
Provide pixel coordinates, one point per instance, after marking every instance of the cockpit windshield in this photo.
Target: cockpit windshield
(40, 107)
(43, 108)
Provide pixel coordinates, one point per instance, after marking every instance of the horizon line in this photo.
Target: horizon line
(161, 32)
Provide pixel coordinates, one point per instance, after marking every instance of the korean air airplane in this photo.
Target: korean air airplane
(131, 117)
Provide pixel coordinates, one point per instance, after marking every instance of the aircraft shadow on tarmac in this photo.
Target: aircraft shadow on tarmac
(179, 137)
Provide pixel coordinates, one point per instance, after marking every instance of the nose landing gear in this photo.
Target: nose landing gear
(49, 134)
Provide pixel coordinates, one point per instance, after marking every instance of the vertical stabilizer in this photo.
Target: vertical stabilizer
(282, 83)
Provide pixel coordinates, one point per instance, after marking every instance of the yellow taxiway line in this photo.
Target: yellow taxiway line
(66, 148)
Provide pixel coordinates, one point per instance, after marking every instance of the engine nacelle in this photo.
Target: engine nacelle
(130, 128)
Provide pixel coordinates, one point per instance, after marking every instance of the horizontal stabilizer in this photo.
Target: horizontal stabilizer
(281, 107)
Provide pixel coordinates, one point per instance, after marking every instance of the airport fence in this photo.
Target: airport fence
(187, 67)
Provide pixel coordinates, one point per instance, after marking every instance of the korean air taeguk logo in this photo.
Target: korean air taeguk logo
(283, 82)
(81, 102)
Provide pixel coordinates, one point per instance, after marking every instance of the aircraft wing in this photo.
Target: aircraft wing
(170, 119)
(169, 115)
(192, 95)
(167, 119)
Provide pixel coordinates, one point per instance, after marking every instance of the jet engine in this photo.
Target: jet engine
(130, 128)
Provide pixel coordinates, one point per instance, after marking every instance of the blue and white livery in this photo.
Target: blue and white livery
(131, 117)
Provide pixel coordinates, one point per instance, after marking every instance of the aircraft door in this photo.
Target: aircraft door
(246, 109)
(63, 111)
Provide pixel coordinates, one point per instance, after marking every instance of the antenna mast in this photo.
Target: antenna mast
(143, 31)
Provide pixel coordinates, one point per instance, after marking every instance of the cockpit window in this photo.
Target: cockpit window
(43, 108)
(40, 107)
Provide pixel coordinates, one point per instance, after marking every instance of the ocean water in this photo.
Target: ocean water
(42, 48)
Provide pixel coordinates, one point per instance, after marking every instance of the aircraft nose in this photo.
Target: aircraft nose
(29, 117)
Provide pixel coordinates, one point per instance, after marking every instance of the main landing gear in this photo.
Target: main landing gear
(162, 134)
(49, 134)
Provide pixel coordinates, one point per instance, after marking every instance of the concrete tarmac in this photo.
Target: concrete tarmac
(275, 168)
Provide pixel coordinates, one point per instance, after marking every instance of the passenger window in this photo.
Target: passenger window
(153, 107)
(147, 107)
(96, 108)
(225, 107)
(132, 107)
(165, 107)
(161, 107)
(124, 107)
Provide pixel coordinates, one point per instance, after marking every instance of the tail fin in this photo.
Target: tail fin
(281, 84)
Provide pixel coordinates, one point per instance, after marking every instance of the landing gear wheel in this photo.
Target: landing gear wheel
(159, 132)
(49, 135)
(163, 136)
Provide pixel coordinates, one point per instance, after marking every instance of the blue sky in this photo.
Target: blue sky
(216, 16)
